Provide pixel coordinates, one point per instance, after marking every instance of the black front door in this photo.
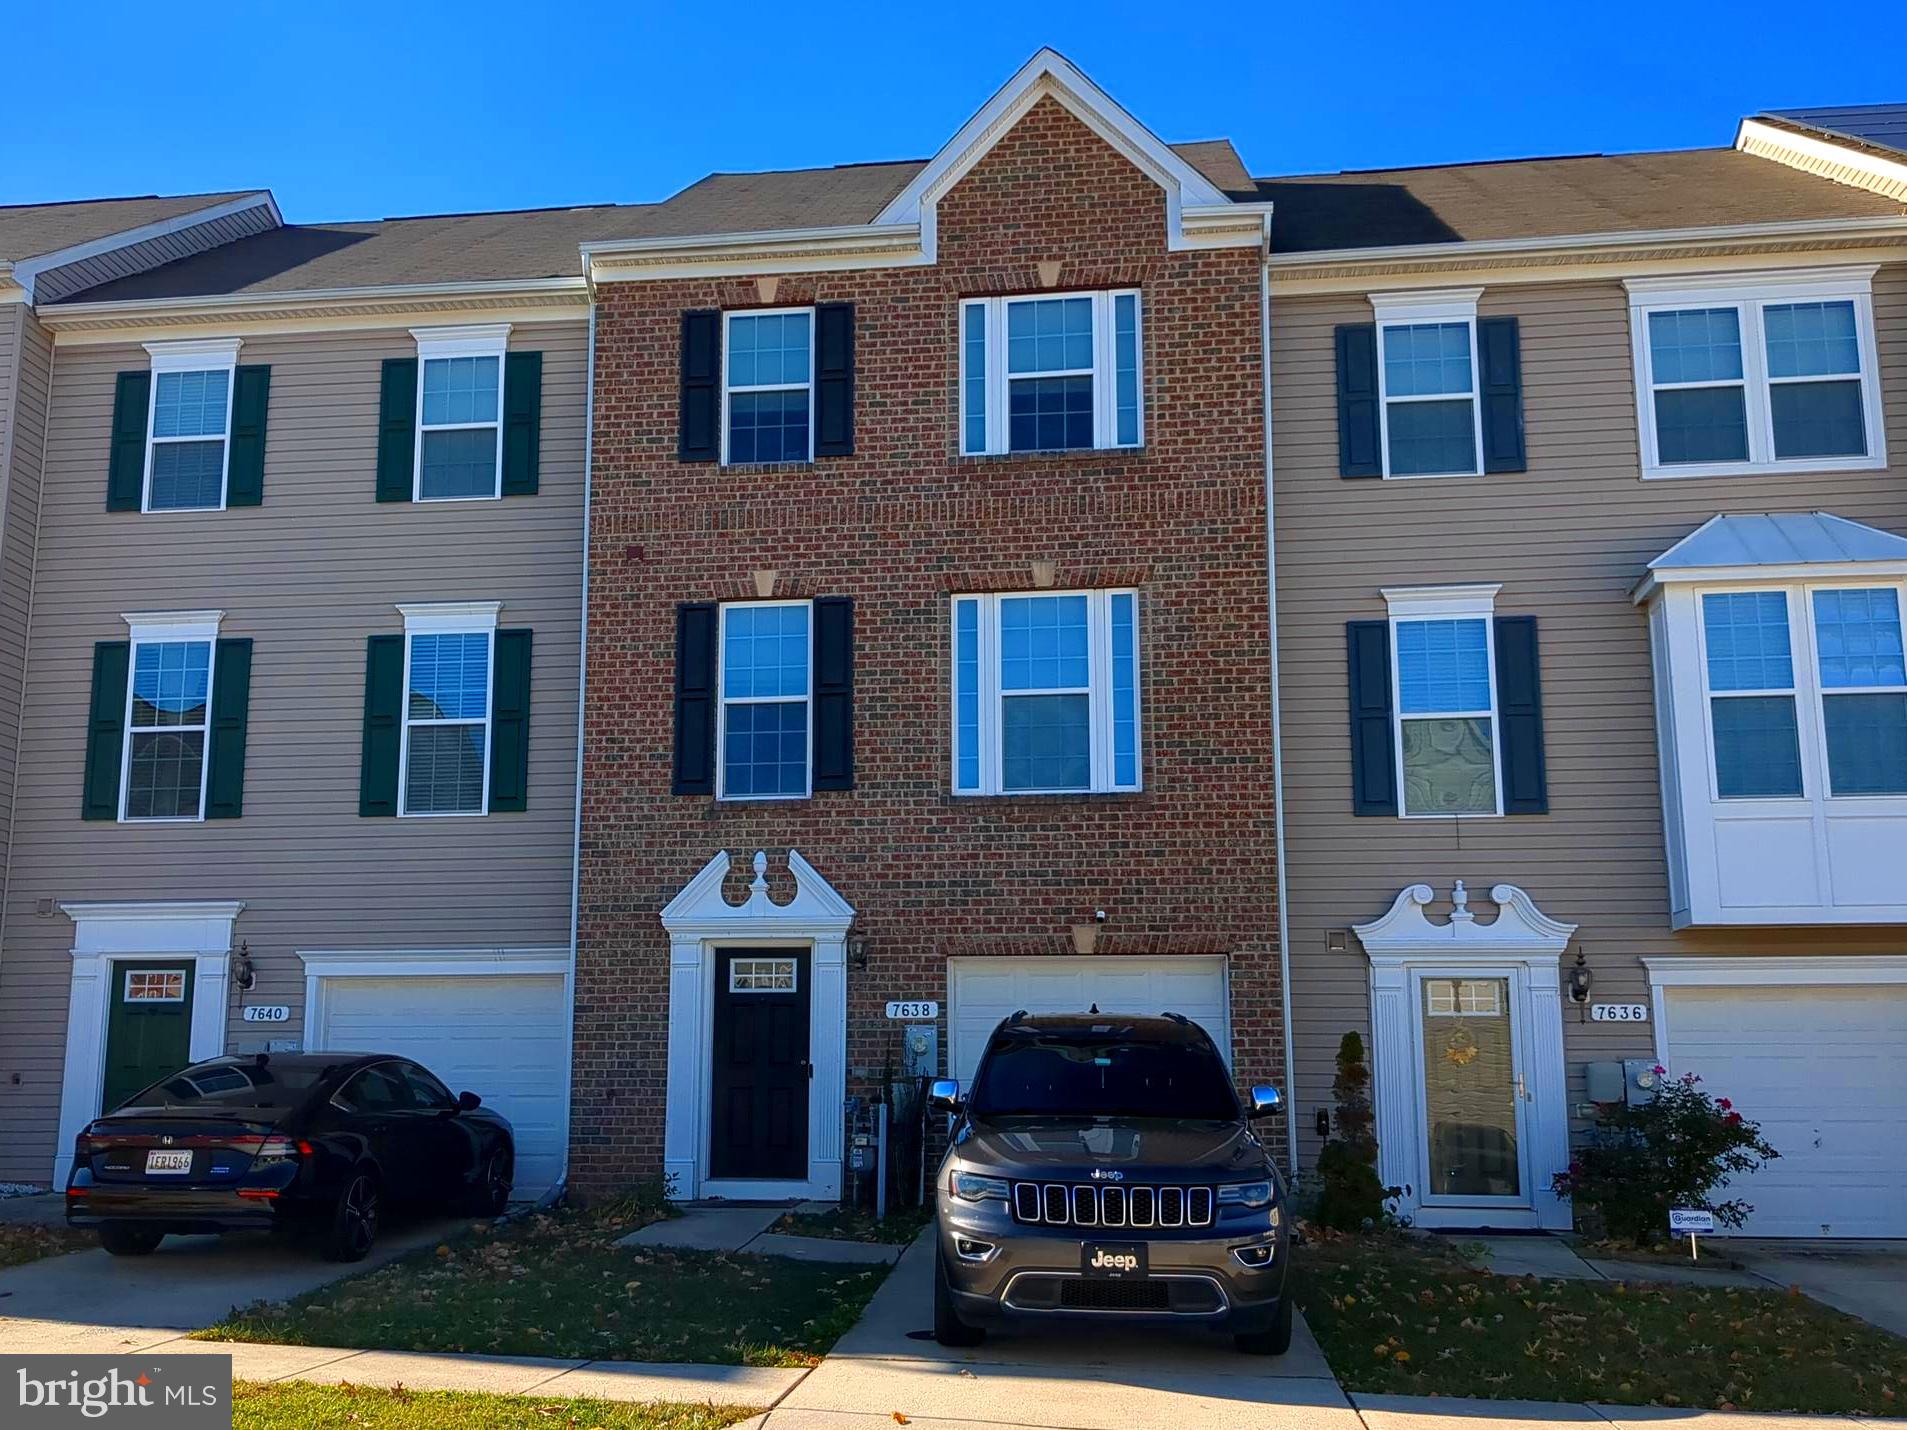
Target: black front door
(760, 1113)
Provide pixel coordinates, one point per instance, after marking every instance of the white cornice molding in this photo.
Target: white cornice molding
(157, 911)
(701, 911)
(716, 255)
(1520, 931)
(1848, 163)
(1405, 602)
(172, 625)
(1667, 288)
(1756, 971)
(1424, 305)
(422, 617)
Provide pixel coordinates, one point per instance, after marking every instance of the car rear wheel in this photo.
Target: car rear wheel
(1274, 1342)
(354, 1220)
(949, 1329)
(491, 1195)
(129, 1241)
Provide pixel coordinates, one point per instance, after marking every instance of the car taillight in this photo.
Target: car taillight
(273, 1148)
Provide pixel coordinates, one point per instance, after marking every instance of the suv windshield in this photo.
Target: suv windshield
(1101, 1072)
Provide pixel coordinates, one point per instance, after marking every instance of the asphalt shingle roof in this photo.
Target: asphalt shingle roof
(35, 230)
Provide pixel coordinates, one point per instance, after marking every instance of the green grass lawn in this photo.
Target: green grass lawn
(21, 1244)
(557, 1285)
(1398, 1317)
(900, 1227)
(290, 1405)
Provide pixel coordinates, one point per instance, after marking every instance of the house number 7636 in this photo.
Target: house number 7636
(1618, 1012)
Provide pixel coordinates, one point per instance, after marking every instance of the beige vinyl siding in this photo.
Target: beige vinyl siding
(1567, 539)
(26, 364)
(309, 575)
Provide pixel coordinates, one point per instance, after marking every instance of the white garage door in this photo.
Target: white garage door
(500, 1036)
(1824, 1071)
(982, 991)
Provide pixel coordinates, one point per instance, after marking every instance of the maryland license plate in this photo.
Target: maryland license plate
(172, 1162)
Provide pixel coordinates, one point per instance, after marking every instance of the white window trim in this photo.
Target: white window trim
(736, 967)
(1446, 603)
(1099, 693)
(447, 618)
(132, 971)
(722, 699)
(197, 355)
(1104, 371)
(1404, 309)
(1749, 294)
(1807, 691)
(728, 318)
(162, 628)
(436, 344)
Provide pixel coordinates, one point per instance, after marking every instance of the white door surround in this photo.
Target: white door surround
(699, 920)
(1522, 945)
(199, 930)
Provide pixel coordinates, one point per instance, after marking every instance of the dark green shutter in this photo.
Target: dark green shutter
(245, 468)
(834, 693)
(1500, 357)
(1373, 755)
(106, 729)
(522, 424)
(695, 653)
(1360, 449)
(231, 706)
(126, 473)
(397, 430)
(834, 380)
(1519, 701)
(510, 723)
(699, 435)
(383, 725)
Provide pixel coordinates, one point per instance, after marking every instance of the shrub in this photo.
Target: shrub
(1674, 1150)
(1350, 1194)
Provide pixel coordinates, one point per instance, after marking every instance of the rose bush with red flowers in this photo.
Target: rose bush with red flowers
(1674, 1150)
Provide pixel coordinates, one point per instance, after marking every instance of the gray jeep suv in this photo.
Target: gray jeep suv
(1101, 1167)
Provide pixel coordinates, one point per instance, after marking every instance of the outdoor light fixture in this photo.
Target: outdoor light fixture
(857, 951)
(1580, 979)
(243, 974)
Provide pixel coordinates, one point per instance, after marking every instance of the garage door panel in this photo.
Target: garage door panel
(1824, 1071)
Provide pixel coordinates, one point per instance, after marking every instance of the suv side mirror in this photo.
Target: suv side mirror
(1265, 1101)
(468, 1102)
(943, 1095)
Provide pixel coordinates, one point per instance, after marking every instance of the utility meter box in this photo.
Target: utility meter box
(1605, 1082)
(920, 1050)
(1642, 1080)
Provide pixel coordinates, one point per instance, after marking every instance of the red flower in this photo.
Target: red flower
(1658, 1068)
(1732, 1119)
(1723, 1103)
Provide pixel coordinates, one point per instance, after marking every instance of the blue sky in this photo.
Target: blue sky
(350, 110)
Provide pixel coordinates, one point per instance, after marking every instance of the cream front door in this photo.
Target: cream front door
(1472, 1088)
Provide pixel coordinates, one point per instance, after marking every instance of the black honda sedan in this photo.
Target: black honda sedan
(303, 1144)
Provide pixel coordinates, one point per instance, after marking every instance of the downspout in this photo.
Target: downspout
(1277, 719)
(582, 692)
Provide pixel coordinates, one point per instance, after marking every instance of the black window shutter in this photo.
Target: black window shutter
(1360, 452)
(1519, 700)
(126, 472)
(695, 625)
(383, 725)
(231, 710)
(245, 466)
(834, 380)
(699, 438)
(522, 423)
(397, 430)
(510, 724)
(1499, 351)
(1373, 757)
(106, 729)
(834, 692)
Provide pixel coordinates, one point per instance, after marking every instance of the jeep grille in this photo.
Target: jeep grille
(1103, 1205)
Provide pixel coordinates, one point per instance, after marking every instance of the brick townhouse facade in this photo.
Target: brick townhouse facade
(901, 863)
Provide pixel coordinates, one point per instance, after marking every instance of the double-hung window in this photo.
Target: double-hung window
(1766, 373)
(1046, 693)
(449, 651)
(768, 386)
(766, 714)
(188, 446)
(1444, 654)
(1432, 421)
(1051, 374)
(460, 413)
(168, 724)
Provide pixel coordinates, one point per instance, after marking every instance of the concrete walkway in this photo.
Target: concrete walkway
(1558, 1259)
(746, 1229)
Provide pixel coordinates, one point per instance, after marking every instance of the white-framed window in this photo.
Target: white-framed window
(460, 412)
(762, 975)
(1806, 688)
(189, 425)
(1053, 372)
(1463, 997)
(155, 985)
(1443, 668)
(768, 385)
(1757, 373)
(444, 760)
(1431, 418)
(165, 762)
(765, 717)
(1046, 692)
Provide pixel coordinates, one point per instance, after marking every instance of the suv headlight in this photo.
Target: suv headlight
(971, 1187)
(1247, 1194)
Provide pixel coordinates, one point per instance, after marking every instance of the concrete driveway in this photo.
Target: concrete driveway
(1064, 1376)
(1864, 1278)
(91, 1302)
